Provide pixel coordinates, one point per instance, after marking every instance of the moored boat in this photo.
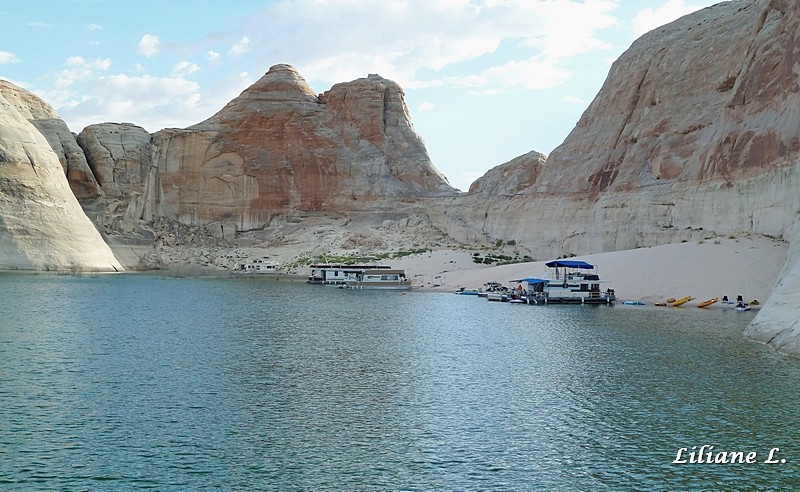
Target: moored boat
(257, 265)
(463, 291)
(568, 282)
(490, 287)
(363, 276)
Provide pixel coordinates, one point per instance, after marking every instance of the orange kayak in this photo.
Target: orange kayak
(707, 303)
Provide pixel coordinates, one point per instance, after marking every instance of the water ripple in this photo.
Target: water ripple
(184, 384)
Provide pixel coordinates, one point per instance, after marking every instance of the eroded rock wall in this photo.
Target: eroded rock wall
(694, 132)
(42, 226)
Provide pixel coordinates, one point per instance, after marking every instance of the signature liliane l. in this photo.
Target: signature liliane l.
(708, 455)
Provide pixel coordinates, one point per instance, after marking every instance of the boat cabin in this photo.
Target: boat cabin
(568, 282)
(258, 265)
(359, 276)
(335, 274)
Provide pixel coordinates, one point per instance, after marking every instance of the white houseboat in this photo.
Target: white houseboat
(359, 276)
(258, 265)
(568, 282)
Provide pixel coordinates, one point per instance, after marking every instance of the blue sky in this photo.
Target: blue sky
(485, 80)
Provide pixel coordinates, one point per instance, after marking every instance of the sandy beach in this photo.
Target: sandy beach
(744, 266)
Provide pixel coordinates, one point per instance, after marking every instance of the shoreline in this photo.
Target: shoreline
(746, 266)
(717, 267)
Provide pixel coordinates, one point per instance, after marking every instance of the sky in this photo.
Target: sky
(485, 80)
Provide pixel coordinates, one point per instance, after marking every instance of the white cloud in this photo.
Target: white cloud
(94, 27)
(40, 25)
(151, 102)
(78, 69)
(149, 45)
(421, 43)
(573, 100)
(7, 58)
(240, 48)
(529, 74)
(426, 106)
(91, 63)
(212, 55)
(648, 19)
(184, 68)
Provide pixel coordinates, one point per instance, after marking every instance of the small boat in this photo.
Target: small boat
(497, 297)
(633, 303)
(660, 304)
(742, 306)
(463, 291)
(682, 301)
(707, 302)
(670, 300)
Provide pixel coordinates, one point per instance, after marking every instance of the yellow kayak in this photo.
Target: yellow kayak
(682, 300)
(707, 303)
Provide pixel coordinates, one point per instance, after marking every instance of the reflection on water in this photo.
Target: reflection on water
(136, 381)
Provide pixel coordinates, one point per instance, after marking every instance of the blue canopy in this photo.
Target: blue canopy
(569, 264)
(534, 280)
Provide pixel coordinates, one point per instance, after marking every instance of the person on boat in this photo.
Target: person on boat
(724, 298)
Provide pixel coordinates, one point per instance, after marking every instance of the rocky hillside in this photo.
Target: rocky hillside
(42, 226)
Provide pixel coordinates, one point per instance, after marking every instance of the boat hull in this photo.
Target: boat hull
(708, 302)
(377, 286)
(578, 300)
(682, 301)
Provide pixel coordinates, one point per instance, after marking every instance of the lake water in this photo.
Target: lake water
(135, 382)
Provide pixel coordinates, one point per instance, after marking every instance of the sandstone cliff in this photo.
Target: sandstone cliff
(42, 226)
(694, 134)
(276, 151)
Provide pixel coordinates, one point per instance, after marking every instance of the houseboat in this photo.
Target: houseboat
(359, 276)
(568, 282)
(258, 265)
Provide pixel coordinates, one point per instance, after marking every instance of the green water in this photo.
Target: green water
(136, 382)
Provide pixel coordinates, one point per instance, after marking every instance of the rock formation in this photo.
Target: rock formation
(279, 148)
(42, 226)
(276, 150)
(694, 133)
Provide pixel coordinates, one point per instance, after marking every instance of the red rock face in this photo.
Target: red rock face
(695, 132)
(278, 147)
(512, 177)
(712, 96)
